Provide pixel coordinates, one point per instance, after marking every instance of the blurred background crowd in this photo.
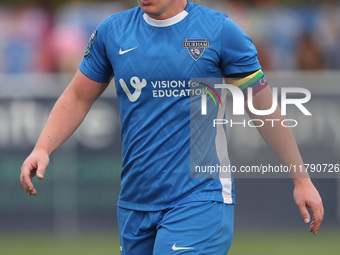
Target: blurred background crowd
(41, 36)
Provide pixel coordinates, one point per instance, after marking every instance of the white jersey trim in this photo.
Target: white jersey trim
(222, 153)
(166, 22)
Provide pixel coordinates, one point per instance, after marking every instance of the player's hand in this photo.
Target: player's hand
(307, 196)
(34, 165)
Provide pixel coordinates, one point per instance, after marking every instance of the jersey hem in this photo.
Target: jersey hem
(144, 207)
(237, 69)
(91, 75)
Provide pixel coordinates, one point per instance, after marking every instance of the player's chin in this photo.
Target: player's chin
(151, 11)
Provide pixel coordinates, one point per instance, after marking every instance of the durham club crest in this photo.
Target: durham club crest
(196, 47)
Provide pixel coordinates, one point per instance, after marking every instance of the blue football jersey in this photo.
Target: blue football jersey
(153, 63)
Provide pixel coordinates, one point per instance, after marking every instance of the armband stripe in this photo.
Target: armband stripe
(249, 80)
(259, 88)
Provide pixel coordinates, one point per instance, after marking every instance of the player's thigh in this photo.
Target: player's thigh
(137, 231)
(196, 228)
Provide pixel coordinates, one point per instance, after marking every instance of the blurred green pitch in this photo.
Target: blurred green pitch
(262, 243)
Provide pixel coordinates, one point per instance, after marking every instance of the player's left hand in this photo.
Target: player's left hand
(307, 196)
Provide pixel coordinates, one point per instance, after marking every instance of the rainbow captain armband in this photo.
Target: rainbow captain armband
(256, 80)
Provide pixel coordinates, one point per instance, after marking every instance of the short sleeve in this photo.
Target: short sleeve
(239, 54)
(95, 64)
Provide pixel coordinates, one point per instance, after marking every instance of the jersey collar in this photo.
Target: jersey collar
(167, 22)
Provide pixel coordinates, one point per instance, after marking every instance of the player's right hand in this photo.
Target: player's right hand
(34, 165)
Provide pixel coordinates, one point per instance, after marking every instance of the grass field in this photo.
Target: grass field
(265, 243)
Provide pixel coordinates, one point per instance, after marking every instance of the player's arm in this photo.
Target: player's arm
(66, 116)
(281, 140)
(239, 56)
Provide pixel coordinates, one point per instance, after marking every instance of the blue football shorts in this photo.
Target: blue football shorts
(191, 228)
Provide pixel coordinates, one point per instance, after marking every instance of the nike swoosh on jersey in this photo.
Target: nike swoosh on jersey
(121, 52)
(174, 248)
